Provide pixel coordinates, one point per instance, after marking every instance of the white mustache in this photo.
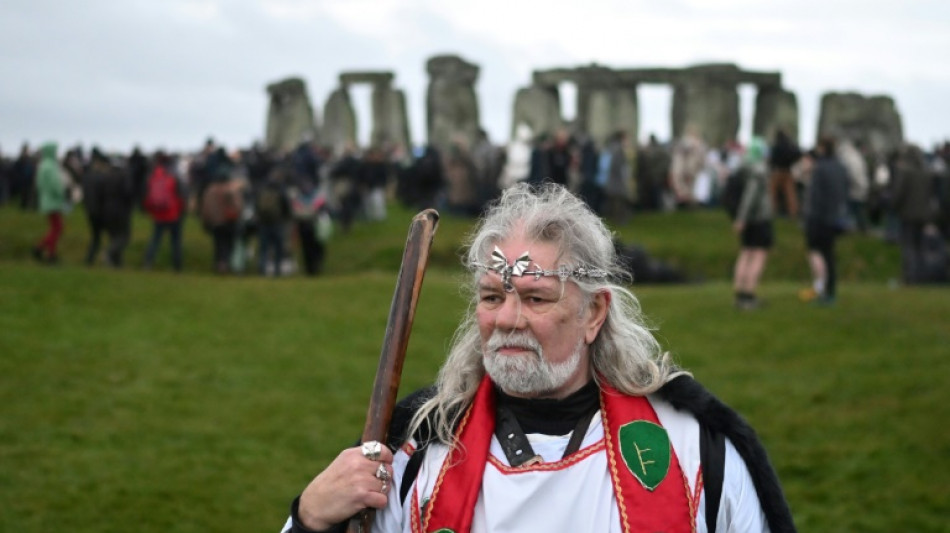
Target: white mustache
(522, 340)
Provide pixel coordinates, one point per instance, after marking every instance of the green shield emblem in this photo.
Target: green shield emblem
(645, 448)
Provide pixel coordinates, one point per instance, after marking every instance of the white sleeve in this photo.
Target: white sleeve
(392, 517)
(739, 508)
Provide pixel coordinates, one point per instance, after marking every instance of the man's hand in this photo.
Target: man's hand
(344, 488)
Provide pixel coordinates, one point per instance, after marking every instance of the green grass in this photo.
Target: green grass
(155, 402)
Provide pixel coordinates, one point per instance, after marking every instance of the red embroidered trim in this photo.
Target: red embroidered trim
(563, 464)
(444, 469)
(694, 499)
(640, 500)
(415, 519)
(612, 462)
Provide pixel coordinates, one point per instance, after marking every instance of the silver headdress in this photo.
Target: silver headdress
(499, 264)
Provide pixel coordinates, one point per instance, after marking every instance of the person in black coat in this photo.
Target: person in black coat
(108, 199)
(826, 205)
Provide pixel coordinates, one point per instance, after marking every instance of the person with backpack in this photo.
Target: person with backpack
(753, 224)
(165, 201)
(272, 211)
(220, 205)
(556, 409)
(108, 200)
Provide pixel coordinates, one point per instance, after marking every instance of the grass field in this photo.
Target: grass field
(154, 402)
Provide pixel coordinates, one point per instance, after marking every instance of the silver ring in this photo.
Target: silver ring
(382, 474)
(384, 488)
(371, 450)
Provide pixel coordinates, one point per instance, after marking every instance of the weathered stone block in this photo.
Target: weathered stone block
(775, 109)
(706, 99)
(873, 120)
(339, 121)
(452, 111)
(537, 107)
(290, 118)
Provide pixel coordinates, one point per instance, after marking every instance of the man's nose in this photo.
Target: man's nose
(510, 316)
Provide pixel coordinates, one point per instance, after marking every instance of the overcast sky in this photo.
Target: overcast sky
(169, 73)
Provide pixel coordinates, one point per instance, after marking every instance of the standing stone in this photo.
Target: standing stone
(775, 109)
(390, 122)
(707, 100)
(872, 120)
(605, 104)
(390, 125)
(339, 121)
(451, 103)
(290, 117)
(537, 107)
(608, 110)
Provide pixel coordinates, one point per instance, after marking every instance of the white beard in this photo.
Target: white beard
(527, 374)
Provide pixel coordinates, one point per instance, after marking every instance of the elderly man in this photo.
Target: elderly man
(556, 409)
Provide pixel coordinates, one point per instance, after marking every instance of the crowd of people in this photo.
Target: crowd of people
(290, 203)
(286, 203)
(835, 188)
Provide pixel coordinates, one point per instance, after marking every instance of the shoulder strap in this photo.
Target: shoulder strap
(398, 430)
(712, 456)
(411, 472)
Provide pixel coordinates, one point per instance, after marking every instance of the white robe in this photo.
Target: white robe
(574, 495)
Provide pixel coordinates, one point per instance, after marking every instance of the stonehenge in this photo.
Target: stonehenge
(705, 100)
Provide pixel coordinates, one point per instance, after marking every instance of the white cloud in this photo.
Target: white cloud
(190, 68)
(198, 10)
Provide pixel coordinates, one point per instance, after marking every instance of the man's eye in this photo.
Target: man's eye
(491, 298)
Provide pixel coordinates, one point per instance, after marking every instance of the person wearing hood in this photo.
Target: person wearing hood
(51, 197)
(753, 224)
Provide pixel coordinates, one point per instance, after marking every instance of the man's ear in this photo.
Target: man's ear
(599, 305)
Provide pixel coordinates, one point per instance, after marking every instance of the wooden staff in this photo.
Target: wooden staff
(401, 313)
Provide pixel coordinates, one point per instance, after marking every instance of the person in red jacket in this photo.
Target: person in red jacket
(165, 203)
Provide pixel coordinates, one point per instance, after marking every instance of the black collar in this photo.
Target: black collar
(550, 416)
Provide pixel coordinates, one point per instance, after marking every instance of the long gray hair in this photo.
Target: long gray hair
(625, 353)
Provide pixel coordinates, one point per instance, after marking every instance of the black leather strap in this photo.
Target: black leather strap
(580, 431)
(712, 454)
(513, 440)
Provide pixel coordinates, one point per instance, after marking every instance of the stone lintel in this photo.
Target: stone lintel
(384, 78)
(287, 85)
(597, 75)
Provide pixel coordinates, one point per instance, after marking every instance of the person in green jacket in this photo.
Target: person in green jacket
(753, 225)
(51, 196)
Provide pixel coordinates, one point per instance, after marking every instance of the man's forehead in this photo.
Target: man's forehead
(545, 254)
